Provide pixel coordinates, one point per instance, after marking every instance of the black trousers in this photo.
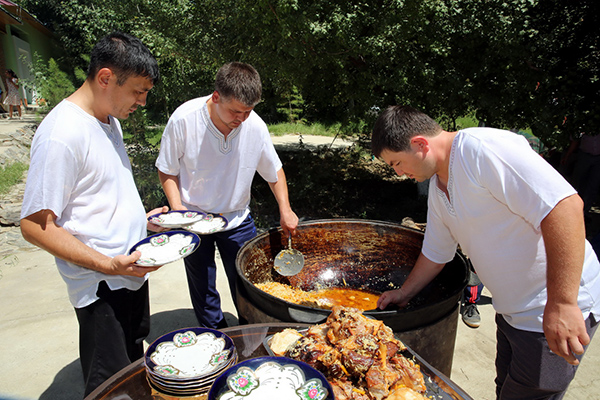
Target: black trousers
(112, 332)
(526, 368)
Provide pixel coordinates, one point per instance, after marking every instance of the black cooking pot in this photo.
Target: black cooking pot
(362, 254)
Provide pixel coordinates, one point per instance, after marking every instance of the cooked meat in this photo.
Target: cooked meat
(360, 357)
(283, 341)
(404, 393)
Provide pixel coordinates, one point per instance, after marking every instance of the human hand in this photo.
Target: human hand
(565, 331)
(392, 296)
(153, 227)
(124, 265)
(289, 223)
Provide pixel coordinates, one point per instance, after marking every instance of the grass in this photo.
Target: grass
(11, 175)
(315, 129)
(154, 134)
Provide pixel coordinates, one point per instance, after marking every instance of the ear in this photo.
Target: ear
(103, 77)
(419, 143)
(216, 97)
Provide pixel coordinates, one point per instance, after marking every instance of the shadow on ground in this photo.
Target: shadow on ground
(67, 384)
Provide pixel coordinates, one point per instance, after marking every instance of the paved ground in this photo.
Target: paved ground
(38, 329)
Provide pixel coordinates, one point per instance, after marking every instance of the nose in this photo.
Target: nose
(244, 116)
(399, 171)
(142, 99)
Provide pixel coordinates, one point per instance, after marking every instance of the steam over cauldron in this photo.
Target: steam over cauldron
(361, 254)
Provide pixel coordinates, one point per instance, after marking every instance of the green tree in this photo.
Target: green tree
(514, 63)
(51, 83)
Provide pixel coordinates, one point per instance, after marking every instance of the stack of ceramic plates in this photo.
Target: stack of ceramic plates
(194, 221)
(187, 361)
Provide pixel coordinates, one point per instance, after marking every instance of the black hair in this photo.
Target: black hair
(397, 125)
(125, 55)
(239, 81)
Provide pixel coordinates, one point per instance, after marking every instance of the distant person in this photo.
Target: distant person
(12, 100)
(471, 295)
(81, 205)
(522, 226)
(210, 151)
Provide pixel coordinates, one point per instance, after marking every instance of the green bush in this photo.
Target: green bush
(51, 83)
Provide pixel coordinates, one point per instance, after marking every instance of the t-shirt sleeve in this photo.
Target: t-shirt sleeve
(51, 178)
(269, 162)
(171, 149)
(520, 178)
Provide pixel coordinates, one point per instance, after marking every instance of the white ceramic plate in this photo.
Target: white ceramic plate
(166, 247)
(271, 378)
(189, 355)
(209, 224)
(176, 218)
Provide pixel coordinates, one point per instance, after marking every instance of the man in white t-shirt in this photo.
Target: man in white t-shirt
(210, 151)
(522, 226)
(81, 205)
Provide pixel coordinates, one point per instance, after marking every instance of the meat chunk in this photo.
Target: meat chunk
(360, 357)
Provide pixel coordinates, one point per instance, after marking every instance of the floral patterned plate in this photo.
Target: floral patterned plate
(163, 248)
(271, 378)
(209, 224)
(189, 354)
(176, 218)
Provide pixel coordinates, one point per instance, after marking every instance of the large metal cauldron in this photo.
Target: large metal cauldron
(361, 254)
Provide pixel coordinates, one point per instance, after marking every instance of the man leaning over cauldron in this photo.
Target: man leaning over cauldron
(82, 206)
(521, 224)
(210, 151)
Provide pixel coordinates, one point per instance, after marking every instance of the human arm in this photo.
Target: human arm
(422, 273)
(170, 184)
(41, 230)
(563, 230)
(288, 219)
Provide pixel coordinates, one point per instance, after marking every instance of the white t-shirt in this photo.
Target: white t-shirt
(500, 190)
(215, 175)
(80, 170)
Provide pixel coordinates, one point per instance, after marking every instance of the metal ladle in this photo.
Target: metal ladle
(289, 262)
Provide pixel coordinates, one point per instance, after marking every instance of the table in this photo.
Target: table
(130, 383)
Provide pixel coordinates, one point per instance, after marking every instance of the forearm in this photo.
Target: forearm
(280, 191)
(170, 185)
(563, 231)
(41, 230)
(422, 273)
(288, 219)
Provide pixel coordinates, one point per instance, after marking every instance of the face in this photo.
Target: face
(413, 163)
(126, 98)
(229, 112)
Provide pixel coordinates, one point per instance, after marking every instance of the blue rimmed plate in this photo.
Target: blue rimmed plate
(176, 218)
(271, 378)
(189, 355)
(166, 247)
(209, 224)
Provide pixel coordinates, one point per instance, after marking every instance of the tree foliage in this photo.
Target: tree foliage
(515, 63)
(51, 83)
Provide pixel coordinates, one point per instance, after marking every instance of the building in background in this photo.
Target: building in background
(22, 35)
